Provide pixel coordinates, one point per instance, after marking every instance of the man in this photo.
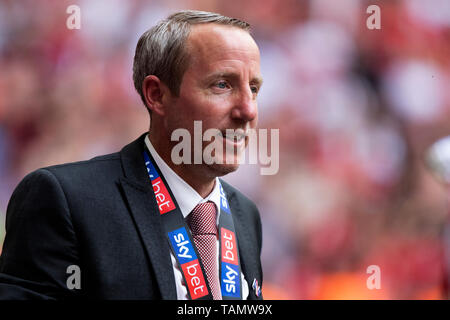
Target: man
(133, 224)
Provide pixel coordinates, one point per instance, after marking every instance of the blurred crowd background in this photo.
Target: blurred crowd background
(357, 110)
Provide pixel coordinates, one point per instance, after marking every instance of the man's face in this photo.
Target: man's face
(219, 88)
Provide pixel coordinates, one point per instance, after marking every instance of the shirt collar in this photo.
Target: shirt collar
(187, 198)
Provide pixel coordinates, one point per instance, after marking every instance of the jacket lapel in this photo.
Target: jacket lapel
(143, 208)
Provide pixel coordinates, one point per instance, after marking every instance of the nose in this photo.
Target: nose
(245, 107)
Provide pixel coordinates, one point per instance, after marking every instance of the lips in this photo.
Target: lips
(234, 136)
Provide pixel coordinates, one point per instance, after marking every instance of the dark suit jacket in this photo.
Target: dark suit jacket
(101, 215)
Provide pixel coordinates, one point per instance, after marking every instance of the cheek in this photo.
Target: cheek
(207, 108)
(212, 110)
(187, 110)
(254, 122)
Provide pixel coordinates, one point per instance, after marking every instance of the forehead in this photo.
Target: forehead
(209, 43)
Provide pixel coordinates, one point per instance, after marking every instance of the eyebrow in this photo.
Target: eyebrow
(231, 75)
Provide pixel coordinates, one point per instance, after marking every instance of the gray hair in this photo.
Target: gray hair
(161, 51)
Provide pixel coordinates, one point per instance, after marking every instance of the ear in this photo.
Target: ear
(155, 92)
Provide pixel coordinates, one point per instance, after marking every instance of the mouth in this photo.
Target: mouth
(237, 136)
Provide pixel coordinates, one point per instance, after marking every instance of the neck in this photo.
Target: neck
(201, 183)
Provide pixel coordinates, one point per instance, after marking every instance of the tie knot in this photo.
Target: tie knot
(202, 220)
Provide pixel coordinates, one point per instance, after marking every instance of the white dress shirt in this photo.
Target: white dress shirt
(187, 198)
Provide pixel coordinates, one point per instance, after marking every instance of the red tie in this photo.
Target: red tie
(202, 221)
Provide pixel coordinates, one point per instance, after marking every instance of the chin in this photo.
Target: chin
(220, 170)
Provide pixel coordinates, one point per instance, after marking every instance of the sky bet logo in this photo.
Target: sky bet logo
(165, 203)
(223, 201)
(189, 263)
(230, 270)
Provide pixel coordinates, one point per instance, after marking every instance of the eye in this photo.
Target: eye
(221, 84)
(254, 89)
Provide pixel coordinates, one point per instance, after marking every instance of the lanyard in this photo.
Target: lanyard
(183, 247)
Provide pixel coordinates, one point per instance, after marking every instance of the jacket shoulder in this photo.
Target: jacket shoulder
(98, 166)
